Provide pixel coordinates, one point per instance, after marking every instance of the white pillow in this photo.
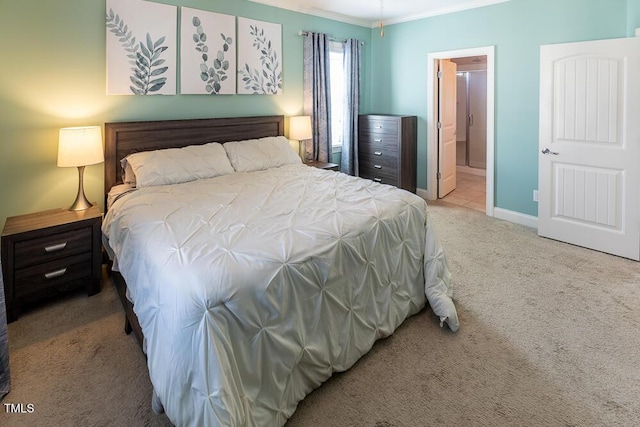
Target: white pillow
(259, 154)
(176, 165)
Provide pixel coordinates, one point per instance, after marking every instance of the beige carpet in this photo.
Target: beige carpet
(549, 336)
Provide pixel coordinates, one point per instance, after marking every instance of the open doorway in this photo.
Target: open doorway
(471, 133)
(474, 129)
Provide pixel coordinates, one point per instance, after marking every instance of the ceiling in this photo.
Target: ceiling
(367, 13)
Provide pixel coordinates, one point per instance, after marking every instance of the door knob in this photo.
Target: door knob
(547, 151)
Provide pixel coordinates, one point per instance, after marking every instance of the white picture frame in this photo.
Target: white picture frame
(259, 57)
(207, 52)
(141, 46)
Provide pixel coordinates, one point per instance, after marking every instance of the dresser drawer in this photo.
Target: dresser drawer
(55, 246)
(373, 124)
(31, 280)
(388, 162)
(372, 143)
(379, 175)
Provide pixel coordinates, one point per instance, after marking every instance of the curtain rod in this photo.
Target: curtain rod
(333, 39)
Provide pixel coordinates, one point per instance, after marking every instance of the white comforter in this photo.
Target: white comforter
(252, 288)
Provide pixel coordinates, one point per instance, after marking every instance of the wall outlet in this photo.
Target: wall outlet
(535, 195)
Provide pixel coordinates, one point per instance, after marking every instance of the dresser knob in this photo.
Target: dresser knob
(378, 153)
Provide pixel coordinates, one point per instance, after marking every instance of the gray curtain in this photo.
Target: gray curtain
(5, 383)
(317, 95)
(349, 158)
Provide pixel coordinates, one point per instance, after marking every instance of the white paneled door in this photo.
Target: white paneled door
(589, 158)
(447, 82)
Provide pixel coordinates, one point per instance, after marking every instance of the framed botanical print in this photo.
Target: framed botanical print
(259, 57)
(207, 52)
(141, 48)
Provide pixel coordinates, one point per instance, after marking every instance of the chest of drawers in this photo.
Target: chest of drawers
(48, 252)
(387, 149)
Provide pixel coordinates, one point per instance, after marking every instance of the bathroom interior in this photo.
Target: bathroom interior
(471, 132)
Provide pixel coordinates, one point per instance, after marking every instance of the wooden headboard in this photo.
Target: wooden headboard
(124, 138)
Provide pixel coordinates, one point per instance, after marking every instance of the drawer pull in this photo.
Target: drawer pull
(377, 179)
(56, 273)
(377, 140)
(378, 127)
(378, 153)
(377, 166)
(55, 248)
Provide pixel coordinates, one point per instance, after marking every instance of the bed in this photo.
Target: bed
(247, 287)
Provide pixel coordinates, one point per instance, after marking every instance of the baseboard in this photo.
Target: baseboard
(471, 170)
(422, 192)
(499, 213)
(516, 217)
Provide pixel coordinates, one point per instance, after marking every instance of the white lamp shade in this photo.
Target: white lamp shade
(80, 146)
(300, 128)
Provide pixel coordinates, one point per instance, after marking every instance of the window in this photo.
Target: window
(337, 78)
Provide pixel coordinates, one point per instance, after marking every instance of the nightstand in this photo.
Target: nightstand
(324, 165)
(49, 252)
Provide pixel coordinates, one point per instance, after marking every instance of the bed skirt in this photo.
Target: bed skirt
(5, 379)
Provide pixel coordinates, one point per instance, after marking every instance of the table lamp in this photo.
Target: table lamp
(300, 129)
(80, 147)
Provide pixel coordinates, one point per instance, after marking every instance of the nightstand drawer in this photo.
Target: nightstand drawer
(33, 279)
(52, 247)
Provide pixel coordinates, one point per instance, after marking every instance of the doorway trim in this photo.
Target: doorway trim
(432, 119)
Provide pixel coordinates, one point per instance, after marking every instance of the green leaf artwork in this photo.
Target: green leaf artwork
(213, 75)
(269, 79)
(145, 57)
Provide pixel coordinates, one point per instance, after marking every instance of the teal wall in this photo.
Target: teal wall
(517, 29)
(57, 78)
(633, 16)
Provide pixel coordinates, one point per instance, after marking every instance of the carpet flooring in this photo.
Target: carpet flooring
(549, 336)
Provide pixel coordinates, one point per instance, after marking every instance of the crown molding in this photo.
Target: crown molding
(475, 4)
(472, 4)
(316, 12)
